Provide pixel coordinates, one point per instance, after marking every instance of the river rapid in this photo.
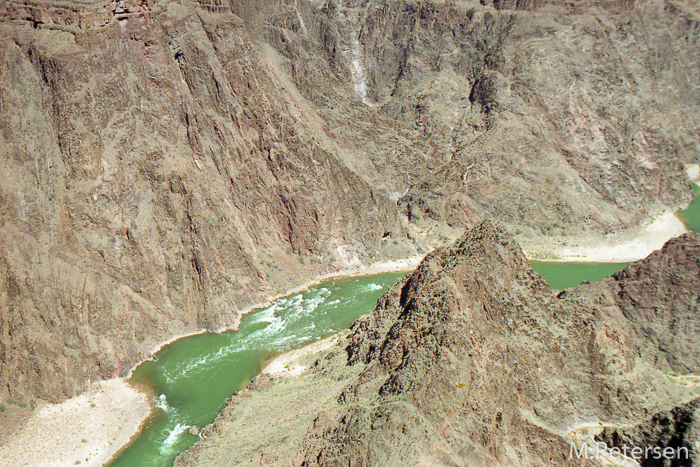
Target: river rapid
(191, 378)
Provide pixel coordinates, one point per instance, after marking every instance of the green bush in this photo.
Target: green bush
(2, 407)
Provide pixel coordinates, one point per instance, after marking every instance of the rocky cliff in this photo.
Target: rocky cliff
(473, 360)
(154, 182)
(167, 163)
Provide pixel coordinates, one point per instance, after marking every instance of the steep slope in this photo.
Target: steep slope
(167, 163)
(147, 173)
(559, 120)
(472, 360)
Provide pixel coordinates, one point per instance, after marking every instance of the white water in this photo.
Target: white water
(172, 437)
(299, 305)
(162, 403)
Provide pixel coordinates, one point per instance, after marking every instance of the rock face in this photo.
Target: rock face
(148, 172)
(166, 163)
(473, 360)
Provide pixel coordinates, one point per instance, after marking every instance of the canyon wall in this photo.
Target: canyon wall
(167, 164)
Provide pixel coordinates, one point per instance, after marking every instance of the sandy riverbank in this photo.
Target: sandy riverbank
(693, 173)
(289, 363)
(86, 430)
(630, 245)
(624, 247)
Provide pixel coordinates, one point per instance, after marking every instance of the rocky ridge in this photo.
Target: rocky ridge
(169, 163)
(473, 360)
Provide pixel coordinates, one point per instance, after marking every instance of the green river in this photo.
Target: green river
(568, 274)
(691, 216)
(192, 378)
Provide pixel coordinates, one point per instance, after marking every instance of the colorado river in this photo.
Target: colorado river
(563, 275)
(192, 378)
(691, 216)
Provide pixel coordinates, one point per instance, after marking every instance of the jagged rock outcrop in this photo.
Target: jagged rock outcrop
(677, 429)
(473, 360)
(166, 163)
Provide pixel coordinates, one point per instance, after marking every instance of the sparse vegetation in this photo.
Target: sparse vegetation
(545, 255)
